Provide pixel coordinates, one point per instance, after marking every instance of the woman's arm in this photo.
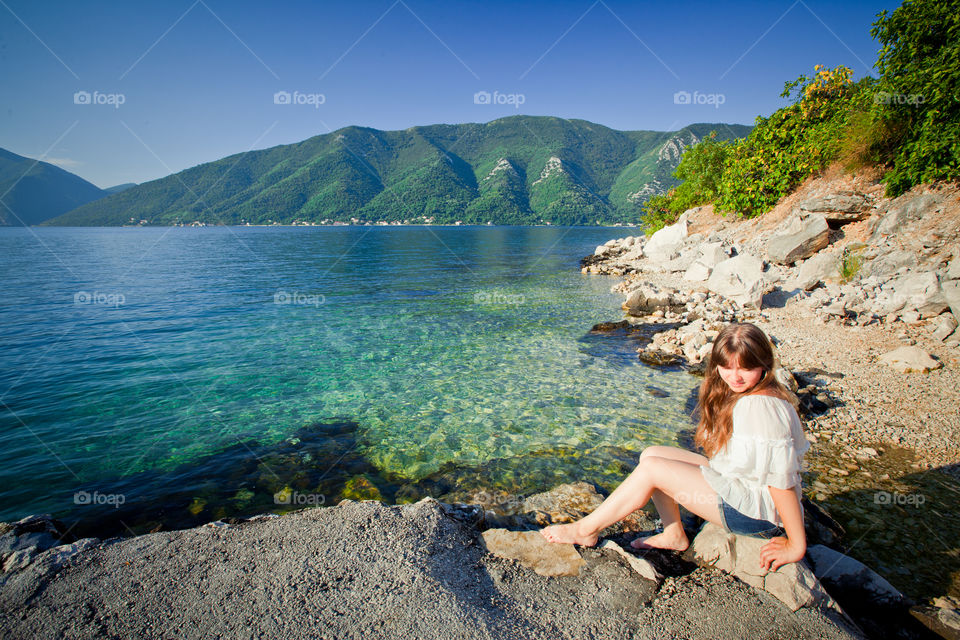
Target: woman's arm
(781, 551)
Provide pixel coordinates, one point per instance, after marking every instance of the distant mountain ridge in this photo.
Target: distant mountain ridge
(515, 170)
(33, 191)
(120, 187)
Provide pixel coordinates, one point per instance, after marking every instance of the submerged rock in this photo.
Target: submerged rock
(565, 503)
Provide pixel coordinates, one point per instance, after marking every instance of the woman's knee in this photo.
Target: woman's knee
(673, 453)
(657, 451)
(649, 464)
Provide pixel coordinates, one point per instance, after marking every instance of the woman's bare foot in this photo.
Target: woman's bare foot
(671, 541)
(569, 534)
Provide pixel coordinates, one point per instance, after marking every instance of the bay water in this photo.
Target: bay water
(162, 377)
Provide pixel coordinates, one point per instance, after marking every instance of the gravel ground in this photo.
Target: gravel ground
(362, 570)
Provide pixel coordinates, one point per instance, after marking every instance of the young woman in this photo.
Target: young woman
(749, 480)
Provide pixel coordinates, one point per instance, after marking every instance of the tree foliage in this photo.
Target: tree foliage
(907, 121)
(700, 171)
(918, 95)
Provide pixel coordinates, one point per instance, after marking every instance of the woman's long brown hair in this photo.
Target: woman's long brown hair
(748, 345)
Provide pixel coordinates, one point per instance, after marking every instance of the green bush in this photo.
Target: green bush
(793, 143)
(917, 103)
(907, 121)
(700, 170)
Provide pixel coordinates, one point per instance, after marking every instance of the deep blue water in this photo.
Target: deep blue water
(206, 369)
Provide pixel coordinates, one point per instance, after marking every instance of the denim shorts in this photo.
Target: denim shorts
(740, 524)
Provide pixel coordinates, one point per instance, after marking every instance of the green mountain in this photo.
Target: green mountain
(120, 187)
(33, 191)
(516, 170)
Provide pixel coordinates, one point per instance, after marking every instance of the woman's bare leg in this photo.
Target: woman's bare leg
(680, 482)
(673, 536)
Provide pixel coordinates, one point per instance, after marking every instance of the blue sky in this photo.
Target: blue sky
(128, 92)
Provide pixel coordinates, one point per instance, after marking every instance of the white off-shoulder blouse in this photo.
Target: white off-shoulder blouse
(765, 448)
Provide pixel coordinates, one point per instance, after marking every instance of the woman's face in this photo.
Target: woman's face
(739, 379)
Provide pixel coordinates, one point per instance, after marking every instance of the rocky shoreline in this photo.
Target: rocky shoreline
(423, 570)
(861, 296)
(834, 300)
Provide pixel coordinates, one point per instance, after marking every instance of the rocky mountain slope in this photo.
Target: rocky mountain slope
(516, 170)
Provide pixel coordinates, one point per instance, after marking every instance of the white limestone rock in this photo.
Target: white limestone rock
(741, 279)
(799, 239)
(665, 243)
(908, 359)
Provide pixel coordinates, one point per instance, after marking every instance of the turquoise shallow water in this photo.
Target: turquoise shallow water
(129, 355)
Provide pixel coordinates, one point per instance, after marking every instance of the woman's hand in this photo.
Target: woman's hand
(780, 551)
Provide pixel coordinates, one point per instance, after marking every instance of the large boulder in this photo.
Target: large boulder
(665, 243)
(712, 254)
(906, 208)
(822, 267)
(799, 239)
(839, 207)
(739, 278)
(944, 326)
(889, 263)
(922, 292)
(697, 272)
(793, 584)
(841, 573)
(908, 359)
(648, 298)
